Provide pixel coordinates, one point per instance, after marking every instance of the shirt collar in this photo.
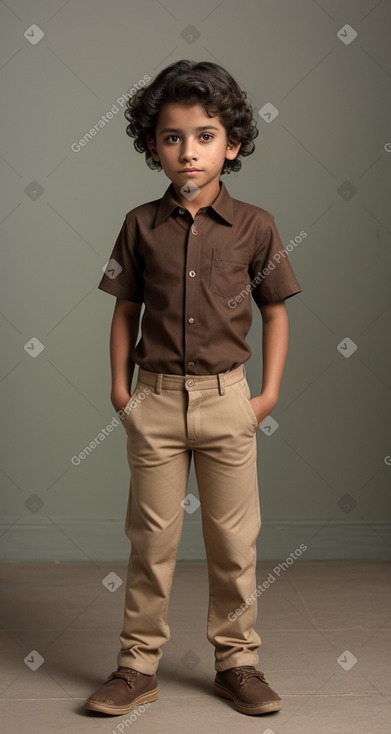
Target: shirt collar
(222, 205)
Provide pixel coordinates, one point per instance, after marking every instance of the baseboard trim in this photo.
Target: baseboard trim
(106, 541)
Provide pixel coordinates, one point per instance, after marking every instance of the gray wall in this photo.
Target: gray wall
(322, 165)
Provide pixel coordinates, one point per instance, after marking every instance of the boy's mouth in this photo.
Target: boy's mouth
(190, 170)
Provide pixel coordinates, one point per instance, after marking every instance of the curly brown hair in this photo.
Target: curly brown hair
(192, 82)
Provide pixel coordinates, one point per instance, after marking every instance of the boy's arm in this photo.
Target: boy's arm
(275, 340)
(123, 337)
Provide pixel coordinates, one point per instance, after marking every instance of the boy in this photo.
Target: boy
(193, 257)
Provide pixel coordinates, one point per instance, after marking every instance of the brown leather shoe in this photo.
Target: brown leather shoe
(123, 691)
(248, 689)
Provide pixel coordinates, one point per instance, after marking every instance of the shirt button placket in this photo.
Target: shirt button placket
(192, 296)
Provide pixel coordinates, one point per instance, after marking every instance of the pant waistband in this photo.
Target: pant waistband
(161, 381)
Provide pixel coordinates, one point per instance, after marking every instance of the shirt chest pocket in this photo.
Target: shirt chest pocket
(229, 272)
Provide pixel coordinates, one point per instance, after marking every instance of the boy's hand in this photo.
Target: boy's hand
(262, 405)
(119, 400)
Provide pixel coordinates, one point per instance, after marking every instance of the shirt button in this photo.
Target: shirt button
(192, 273)
(190, 383)
(181, 211)
(190, 364)
(191, 320)
(194, 231)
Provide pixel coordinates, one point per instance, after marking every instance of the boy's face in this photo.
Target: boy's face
(186, 138)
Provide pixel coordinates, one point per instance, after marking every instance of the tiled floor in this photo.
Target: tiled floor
(313, 614)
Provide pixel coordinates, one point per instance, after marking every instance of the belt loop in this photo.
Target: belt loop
(158, 383)
(220, 379)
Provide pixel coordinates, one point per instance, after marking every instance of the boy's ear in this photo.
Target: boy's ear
(232, 150)
(152, 147)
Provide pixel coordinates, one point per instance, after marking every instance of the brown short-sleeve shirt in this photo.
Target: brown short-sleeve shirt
(196, 279)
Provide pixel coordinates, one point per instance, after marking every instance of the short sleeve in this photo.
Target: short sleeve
(123, 276)
(272, 274)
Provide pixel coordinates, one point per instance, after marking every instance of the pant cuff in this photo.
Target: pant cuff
(131, 662)
(250, 658)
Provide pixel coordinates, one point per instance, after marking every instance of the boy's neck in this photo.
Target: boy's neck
(204, 198)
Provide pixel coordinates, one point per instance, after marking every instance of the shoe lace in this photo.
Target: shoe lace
(127, 674)
(248, 671)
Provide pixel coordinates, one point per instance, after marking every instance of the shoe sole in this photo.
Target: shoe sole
(105, 708)
(262, 708)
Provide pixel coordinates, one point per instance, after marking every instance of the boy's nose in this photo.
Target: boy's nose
(188, 156)
(188, 152)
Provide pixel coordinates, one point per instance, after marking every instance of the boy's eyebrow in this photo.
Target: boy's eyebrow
(177, 130)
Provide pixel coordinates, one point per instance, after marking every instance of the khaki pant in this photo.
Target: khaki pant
(173, 417)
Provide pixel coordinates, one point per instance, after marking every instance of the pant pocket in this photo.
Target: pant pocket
(243, 391)
(138, 396)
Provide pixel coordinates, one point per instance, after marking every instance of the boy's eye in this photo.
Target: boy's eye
(209, 136)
